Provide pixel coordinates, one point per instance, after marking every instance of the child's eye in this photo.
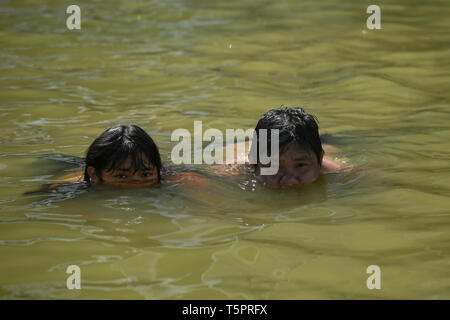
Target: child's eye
(301, 165)
(121, 176)
(146, 175)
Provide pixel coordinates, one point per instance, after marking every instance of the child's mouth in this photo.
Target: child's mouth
(136, 184)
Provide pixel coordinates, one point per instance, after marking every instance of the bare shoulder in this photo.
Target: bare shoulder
(235, 159)
(329, 149)
(74, 177)
(233, 169)
(239, 150)
(331, 166)
(190, 178)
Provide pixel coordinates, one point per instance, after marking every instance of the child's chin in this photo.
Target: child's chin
(134, 185)
(285, 186)
(271, 185)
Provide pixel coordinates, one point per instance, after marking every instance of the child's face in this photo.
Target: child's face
(298, 166)
(125, 175)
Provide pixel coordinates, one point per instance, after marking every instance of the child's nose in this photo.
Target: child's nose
(289, 180)
(136, 177)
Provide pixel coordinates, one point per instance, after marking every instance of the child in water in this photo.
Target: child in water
(301, 153)
(125, 155)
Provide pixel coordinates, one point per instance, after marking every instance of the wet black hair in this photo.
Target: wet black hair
(114, 146)
(294, 124)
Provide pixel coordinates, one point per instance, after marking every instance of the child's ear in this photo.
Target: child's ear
(92, 174)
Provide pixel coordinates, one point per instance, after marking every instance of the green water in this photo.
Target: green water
(382, 95)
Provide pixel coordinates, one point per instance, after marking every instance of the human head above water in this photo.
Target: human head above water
(300, 148)
(124, 154)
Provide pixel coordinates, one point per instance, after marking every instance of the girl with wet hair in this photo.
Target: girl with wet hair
(123, 154)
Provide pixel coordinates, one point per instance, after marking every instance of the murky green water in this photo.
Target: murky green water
(383, 95)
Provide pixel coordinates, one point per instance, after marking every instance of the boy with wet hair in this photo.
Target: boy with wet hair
(293, 124)
(301, 157)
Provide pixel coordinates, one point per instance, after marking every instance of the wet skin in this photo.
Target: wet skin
(126, 176)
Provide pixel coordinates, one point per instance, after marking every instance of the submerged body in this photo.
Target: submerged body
(126, 156)
(300, 159)
(188, 178)
(297, 166)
